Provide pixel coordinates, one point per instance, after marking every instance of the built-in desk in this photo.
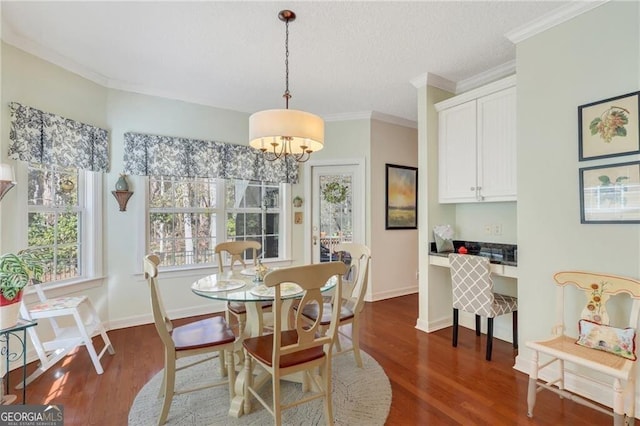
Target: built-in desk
(502, 256)
(497, 269)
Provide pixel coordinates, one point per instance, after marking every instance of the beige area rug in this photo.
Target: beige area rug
(361, 396)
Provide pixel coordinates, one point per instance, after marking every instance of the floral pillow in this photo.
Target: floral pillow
(617, 341)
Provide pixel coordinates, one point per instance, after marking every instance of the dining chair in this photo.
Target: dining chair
(79, 321)
(472, 287)
(598, 347)
(209, 336)
(236, 250)
(299, 349)
(351, 300)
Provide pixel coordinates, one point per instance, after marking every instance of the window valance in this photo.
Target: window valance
(146, 155)
(45, 138)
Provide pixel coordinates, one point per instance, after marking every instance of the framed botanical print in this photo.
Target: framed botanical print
(610, 193)
(609, 128)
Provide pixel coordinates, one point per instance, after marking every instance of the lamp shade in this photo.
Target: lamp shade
(274, 125)
(6, 172)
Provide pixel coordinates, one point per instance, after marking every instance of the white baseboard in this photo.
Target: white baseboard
(382, 295)
(431, 326)
(132, 321)
(500, 331)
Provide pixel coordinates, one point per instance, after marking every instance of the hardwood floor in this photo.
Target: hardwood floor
(432, 382)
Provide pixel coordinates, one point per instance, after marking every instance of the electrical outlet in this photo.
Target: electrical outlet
(487, 229)
(497, 229)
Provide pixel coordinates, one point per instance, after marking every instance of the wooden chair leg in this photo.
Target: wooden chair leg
(169, 389)
(533, 384)
(326, 382)
(454, 342)
(515, 329)
(355, 342)
(489, 337)
(477, 325)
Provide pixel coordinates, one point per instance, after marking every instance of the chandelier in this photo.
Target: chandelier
(280, 133)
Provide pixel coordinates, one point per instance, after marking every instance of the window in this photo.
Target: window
(62, 221)
(189, 216)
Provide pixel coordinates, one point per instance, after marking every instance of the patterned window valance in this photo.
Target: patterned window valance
(45, 138)
(146, 155)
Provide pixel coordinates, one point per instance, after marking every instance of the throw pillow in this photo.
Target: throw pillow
(606, 338)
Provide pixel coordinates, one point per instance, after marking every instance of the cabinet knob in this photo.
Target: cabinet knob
(473, 188)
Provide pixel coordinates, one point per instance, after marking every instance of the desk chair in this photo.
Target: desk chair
(301, 349)
(235, 250)
(599, 347)
(473, 292)
(212, 335)
(351, 301)
(84, 323)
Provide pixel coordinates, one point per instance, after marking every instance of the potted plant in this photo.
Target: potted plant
(17, 270)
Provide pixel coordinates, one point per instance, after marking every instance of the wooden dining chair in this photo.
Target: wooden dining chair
(472, 288)
(300, 349)
(591, 343)
(235, 250)
(209, 336)
(350, 301)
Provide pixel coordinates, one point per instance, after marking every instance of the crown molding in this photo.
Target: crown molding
(392, 119)
(371, 115)
(485, 77)
(477, 92)
(10, 37)
(433, 80)
(552, 19)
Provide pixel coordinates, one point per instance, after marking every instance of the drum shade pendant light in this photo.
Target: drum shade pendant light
(279, 133)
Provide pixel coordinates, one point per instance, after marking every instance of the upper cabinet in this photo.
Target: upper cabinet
(477, 144)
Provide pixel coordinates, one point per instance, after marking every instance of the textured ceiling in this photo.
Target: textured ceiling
(345, 57)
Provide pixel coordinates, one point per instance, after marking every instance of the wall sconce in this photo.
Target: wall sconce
(122, 192)
(7, 180)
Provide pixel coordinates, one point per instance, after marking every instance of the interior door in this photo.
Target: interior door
(337, 209)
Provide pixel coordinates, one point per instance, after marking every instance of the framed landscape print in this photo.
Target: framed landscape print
(610, 193)
(609, 128)
(401, 197)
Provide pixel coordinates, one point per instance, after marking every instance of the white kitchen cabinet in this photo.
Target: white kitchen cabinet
(477, 145)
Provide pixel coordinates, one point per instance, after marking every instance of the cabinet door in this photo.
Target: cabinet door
(457, 153)
(497, 146)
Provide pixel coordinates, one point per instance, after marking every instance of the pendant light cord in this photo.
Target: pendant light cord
(286, 95)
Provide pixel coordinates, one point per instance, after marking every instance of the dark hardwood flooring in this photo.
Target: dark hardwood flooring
(432, 382)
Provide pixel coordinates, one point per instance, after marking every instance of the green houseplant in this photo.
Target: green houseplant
(17, 270)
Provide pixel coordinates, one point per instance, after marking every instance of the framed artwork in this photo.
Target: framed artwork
(610, 193)
(401, 197)
(609, 128)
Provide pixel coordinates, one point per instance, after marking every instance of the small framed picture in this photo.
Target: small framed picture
(610, 193)
(401, 197)
(609, 128)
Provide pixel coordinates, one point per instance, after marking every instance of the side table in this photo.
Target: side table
(19, 331)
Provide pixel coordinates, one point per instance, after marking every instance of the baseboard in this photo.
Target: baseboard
(584, 386)
(389, 294)
(467, 321)
(147, 318)
(431, 326)
(133, 321)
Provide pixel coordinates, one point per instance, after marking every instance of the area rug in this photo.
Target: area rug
(361, 396)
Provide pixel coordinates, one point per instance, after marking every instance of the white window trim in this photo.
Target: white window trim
(91, 229)
(186, 271)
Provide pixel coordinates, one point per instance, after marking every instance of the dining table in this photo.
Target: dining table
(243, 285)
